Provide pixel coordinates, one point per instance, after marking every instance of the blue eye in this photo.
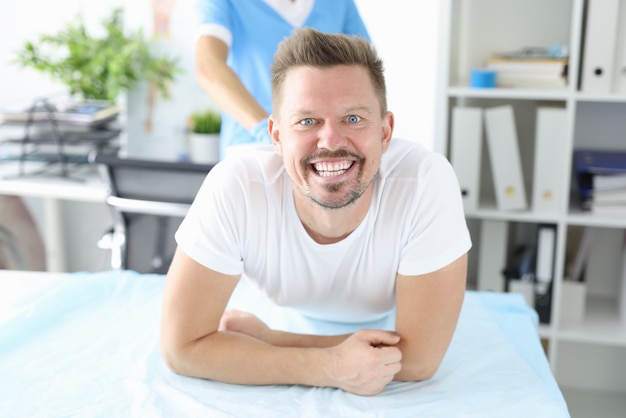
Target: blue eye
(353, 119)
(307, 121)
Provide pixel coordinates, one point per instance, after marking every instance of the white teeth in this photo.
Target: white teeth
(326, 169)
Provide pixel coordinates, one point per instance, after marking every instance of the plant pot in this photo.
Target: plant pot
(204, 148)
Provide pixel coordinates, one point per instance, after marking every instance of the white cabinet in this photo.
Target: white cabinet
(590, 354)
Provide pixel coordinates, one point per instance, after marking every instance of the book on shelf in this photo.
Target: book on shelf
(505, 81)
(609, 182)
(88, 113)
(544, 66)
(611, 210)
(597, 172)
(609, 196)
(608, 202)
(529, 72)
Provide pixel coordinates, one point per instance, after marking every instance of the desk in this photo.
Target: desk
(85, 186)
(158, 181)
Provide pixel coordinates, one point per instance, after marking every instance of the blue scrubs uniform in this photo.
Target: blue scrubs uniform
(256, 29)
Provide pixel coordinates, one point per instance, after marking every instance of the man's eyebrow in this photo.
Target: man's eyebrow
(353, 109)
(300, 113)
(359, 109)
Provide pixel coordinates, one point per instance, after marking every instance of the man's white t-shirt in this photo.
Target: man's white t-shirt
(243, 221)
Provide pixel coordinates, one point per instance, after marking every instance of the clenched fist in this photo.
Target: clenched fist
(365, 362)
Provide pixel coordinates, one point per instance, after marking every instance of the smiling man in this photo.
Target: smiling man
(337, 221)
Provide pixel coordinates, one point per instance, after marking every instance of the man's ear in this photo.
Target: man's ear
(272, 126)
(387, 128)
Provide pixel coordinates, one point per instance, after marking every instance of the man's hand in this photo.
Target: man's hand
(365, 362)
(362, 364)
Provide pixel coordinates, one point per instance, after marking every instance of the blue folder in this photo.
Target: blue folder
(588, 163)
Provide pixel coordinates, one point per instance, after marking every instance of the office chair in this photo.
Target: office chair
(148, 200)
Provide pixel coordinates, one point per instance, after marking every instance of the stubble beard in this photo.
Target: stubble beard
(337, 202)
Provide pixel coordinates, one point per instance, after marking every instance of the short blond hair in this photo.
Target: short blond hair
(309, 47)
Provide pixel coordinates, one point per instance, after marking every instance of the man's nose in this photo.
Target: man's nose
(331, 136)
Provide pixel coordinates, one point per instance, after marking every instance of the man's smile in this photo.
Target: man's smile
(332, 168)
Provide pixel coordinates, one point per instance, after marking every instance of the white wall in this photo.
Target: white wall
(406, 35)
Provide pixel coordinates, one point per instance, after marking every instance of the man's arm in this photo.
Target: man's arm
(222, 85)
(193, 343)
(428, 308)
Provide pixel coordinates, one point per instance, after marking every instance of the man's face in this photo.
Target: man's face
(330, 133)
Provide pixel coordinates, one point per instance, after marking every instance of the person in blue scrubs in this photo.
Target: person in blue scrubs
(235, 47)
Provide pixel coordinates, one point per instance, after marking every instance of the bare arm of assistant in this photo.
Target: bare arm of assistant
(222, 85)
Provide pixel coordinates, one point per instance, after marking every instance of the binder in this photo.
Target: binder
(599, 47)
(573, 303)
(590, 164)
(466, 147)
(582, 254)
(549, 145)
(503, 149)
(492, 255)
(546, 241)
(604, 267)
(600, 161)
(622, 295)
(544, 271)
(619, 73)
(524, 288)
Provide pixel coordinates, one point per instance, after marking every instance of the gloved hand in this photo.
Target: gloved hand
(260, 132)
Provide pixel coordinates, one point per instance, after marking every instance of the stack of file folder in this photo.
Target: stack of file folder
(90, 113)
(529, 72)
(601, 180)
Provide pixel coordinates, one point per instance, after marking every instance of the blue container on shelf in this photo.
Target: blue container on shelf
(483, 78)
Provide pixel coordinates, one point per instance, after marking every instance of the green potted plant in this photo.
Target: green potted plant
(204, 136)
(99, 67)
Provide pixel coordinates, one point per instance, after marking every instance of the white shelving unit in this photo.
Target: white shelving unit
(588, 358)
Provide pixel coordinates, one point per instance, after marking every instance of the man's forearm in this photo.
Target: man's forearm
(238, 358)
(287, 339)
(246, 323)
(363, 363)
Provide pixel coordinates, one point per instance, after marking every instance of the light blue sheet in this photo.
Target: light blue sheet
(87, 345)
